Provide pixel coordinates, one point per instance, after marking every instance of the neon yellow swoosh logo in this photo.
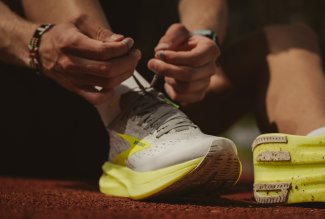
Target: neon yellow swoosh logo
(135, 146)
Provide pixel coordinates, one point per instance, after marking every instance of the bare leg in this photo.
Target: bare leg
(276, 72)
(295, 97)
(58, 11)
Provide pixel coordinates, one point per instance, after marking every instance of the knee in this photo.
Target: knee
(285, 37)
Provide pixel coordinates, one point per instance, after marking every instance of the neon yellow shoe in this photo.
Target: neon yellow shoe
(289, 168)
(156, 150)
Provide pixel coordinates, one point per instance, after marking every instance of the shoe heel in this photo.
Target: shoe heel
(289, 169)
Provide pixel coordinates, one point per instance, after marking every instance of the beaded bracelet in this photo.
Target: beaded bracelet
(34, 44)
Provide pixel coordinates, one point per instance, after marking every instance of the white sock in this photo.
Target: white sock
(317, 132)
(110, 109)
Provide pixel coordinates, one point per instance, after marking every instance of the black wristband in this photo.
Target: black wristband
(209, 34)
(34, 44)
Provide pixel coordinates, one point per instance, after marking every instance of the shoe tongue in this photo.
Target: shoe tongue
(151, 104)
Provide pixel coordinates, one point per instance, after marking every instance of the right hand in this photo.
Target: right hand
(81, 55)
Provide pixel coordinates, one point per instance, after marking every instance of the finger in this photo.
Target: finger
(63, 81)
(179, 72)
(188, 87)
(109, 69)
(198, 56)
(86, 80)
(181, 97)
(95, 31)
(89, 93)
(125, 63)
(83, 46)
(176, 35)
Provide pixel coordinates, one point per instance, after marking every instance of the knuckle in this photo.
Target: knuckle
(65, 64)
(79, 19)
(102, 33)
(178, 27)
(67, 41)
(63, 43)
(195, 60)
(106, 68)
(190, 75)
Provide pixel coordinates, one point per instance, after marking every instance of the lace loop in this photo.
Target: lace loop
(150, 112)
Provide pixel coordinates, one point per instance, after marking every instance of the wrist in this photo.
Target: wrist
(23, 50)
(209, 34)
(34, 45)
(14, 41)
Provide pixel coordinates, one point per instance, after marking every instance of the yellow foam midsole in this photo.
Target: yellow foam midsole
(305, 170)
(122, 181)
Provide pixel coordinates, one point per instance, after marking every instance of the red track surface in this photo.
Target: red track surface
(34, 198)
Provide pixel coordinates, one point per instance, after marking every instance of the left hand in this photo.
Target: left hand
(187, 61)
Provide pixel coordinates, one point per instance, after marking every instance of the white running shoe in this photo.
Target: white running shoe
(156, 150)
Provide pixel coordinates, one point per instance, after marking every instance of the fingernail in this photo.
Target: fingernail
(116, 37)
(161, 55)
(162, 46)
(128, 42)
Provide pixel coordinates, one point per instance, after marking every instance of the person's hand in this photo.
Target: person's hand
(87, 59)
(187, 61)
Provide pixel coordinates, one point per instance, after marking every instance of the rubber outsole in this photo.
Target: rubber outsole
(218, 169)
(289, 169)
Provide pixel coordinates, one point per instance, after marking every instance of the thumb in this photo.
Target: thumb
(174, 36)
(95, 31)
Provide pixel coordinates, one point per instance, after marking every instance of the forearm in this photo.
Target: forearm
(207, 14)
(59, 11)
(15, 34)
